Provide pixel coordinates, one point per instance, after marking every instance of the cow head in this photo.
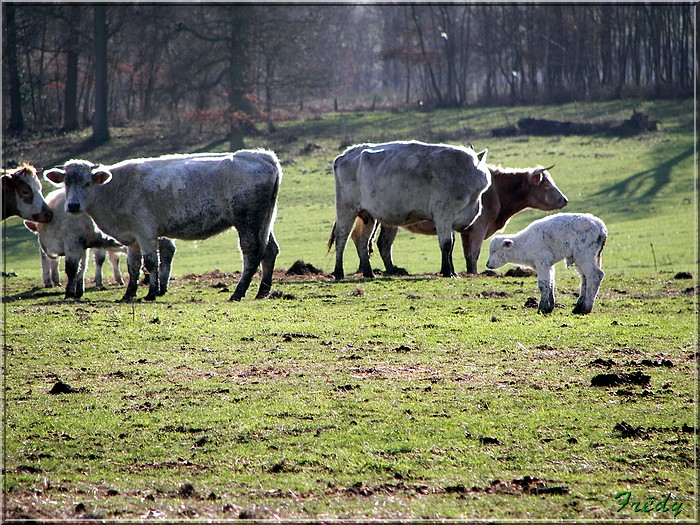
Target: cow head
(26, 187)
(80, 179)
(543, 194)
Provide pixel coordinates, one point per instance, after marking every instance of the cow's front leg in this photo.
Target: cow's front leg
(150, 263)
(344, 222)
(80, 280)
(268, 266)
(545, 282)
(447, 243)
(100, 255)
(133, 266)
(363, 247)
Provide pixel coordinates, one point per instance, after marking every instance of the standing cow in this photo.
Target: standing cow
(183, 197)
(512, 190)
(21, 195)
(401, 183)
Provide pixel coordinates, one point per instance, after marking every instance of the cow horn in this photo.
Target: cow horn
(547, 169)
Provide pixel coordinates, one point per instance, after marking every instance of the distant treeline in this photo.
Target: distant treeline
(213, 65)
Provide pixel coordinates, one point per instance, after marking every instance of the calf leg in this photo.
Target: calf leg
(268, 266)
(55, 275)
(545, 282)
(100, 255)
(46, 269)
(114, 261)
(385, 240)
(591, 277)
(166, 252)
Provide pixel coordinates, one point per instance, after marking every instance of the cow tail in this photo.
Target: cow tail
(331, 240)
(602, 238)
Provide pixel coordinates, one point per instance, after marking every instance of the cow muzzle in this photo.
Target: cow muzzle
(73, 207)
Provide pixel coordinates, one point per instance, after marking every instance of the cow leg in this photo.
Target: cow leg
(133, 265)
(100, 256)
(471, 246)
(545, 282)
(343, 226)
(446, 238)
(252, 250)
(363, 247)
(72, 272)
(114, 261)
(268, 266)
(385, 241)
(150, 262)
(166, 252)
(80, 281)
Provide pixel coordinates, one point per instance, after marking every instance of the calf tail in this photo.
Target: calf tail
(331, 239)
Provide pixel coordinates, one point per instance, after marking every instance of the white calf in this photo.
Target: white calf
(577, 237)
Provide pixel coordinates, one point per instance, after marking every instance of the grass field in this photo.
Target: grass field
(415, 397)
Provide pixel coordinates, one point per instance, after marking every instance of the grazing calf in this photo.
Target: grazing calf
(183, 197)
(401, 183)
(21, 195)
(512, 190)
(577, 237)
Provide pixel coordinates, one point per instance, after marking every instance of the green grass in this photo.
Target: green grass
(416, 397)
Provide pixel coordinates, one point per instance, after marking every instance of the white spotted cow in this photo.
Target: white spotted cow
(577, 237)
(401, 183)
(187, 196)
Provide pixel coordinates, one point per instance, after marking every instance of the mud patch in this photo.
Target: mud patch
(301, 268)
(635, 378)
(520, 272)
(526, 485)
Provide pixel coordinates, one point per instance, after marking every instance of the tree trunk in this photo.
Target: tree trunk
(16, 119)
(70, 111)
(100, 123)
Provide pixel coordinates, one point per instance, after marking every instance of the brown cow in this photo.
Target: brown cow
(21, 195)
(512, 190)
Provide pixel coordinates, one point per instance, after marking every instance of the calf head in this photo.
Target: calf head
(26, 187)
(498, 252)
(543, 194)
(80, 178)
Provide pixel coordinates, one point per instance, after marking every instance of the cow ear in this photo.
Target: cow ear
(31, 226)
(507, 243)
(56, 176)
(101, 176)
(536, 177)
(482, 156)
(8, 183)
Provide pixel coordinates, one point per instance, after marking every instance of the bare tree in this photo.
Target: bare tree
(100, 123)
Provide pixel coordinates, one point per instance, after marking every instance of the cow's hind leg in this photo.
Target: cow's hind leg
(100, 255)
(268, 266)
(344, 222)
(252, 250)
(166, 252)
(363, 247)
(385, 240)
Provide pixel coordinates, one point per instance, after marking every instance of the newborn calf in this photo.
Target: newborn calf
(577, 237)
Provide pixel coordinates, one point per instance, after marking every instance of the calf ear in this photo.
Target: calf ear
(101, 176)
(482, 156)
(31, 226)
(8, 183)
(56, 176)
(507, 243)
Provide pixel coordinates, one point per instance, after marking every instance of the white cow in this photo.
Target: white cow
(183, 197)
(401, 183)
(21, 195)
(577, 237)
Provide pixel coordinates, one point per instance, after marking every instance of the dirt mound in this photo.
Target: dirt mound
(301, 268)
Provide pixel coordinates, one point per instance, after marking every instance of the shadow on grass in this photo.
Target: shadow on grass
(654, 179)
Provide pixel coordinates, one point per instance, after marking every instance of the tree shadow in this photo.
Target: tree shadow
(654, 180)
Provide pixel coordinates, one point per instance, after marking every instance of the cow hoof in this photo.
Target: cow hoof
(150, 297)
(236, 298)
(127, 299)
(580, 310)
